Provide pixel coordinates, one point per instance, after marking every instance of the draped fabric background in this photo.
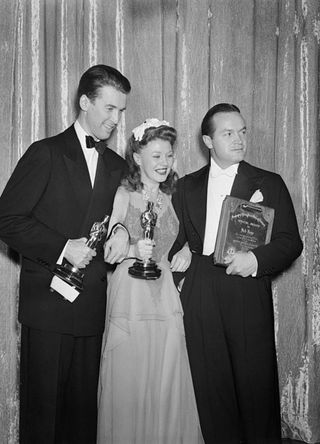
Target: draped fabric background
(181, 56)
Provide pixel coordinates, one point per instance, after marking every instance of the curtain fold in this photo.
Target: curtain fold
(9, 270)
(297, 159)
(182, 57)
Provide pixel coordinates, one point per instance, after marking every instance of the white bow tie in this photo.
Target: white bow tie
(229, 172)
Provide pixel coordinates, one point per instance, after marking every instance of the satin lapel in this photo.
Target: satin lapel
(77, 168)
(106, 182)
(196, 198)
(246, 182)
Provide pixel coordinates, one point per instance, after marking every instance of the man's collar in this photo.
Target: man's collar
(81, 133)
(216, 171)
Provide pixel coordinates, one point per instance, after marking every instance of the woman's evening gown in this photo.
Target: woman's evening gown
(145, 389)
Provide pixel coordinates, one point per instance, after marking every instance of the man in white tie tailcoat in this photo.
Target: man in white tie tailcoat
(228, 311)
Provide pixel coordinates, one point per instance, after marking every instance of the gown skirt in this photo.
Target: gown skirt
(145, 393)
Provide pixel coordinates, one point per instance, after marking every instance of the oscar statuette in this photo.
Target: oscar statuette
(73, 275)
(148, 268)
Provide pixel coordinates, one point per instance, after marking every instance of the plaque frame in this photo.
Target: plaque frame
(243, 226)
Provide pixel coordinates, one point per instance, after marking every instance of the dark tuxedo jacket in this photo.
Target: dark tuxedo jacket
(48, 200)
(190, 203)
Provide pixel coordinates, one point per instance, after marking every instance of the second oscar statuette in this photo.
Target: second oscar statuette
(147, 269)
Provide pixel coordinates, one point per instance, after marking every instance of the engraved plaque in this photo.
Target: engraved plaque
(243, 226)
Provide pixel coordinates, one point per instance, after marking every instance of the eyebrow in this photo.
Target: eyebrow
(159, 151)
(114, 106)
(229, 129)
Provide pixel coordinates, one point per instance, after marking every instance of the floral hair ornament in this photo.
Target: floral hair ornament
(138, 132)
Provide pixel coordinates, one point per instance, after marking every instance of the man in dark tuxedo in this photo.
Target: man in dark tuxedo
(59, 188)
(228, 311)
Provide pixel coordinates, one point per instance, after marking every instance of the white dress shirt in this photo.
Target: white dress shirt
(91, 155)
(219, 186)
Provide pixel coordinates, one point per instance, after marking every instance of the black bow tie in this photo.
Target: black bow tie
(100, 145)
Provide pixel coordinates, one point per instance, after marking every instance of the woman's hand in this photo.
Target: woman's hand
(143, 249)
(117, 246)
(181, 260)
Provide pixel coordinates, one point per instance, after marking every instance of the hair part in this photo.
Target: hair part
(98, 76)
(132, 181)
(207, 125)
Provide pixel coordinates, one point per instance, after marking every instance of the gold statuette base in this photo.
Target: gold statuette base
(71, 275)
(145, 270)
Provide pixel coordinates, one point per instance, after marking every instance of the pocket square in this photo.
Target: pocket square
(256, 197)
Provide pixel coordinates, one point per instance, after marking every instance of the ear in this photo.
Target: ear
(84, 102)
(136, 158)
(207, 141)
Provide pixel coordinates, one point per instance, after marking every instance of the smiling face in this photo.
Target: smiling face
(100, 116)
(155, 161)
(228, 144)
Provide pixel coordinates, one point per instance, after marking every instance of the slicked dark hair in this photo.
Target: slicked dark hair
(98, 76)
(207, 125)
(132, 181)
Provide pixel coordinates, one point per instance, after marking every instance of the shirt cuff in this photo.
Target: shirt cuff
(59, 261)
(254, 274)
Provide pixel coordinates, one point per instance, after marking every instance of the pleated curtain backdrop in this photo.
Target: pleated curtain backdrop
(181, 56)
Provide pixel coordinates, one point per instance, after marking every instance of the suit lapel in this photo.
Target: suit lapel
(197, 200)
(106, 181)
(246, 182)
(77, 169)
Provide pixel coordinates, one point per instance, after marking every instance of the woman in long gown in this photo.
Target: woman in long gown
(145, 389)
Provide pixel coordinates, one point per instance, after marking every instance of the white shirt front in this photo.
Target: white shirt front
(219, 186)
(91, 155)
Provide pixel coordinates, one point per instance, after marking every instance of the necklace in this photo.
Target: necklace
(147, 196)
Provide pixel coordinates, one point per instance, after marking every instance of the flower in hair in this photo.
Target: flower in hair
(138, 132)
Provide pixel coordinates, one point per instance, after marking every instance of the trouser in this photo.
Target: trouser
(230, 340)
(58, 387)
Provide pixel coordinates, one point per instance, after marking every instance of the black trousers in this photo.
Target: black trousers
(230, 340)
(58, 387)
